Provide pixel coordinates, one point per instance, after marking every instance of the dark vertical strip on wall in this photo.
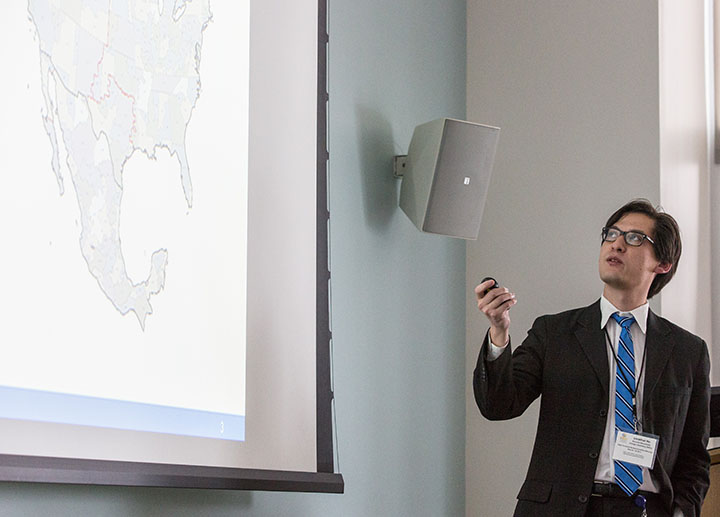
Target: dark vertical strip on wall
(324, 388)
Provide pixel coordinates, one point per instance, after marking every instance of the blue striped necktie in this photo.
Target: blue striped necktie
(627, 475)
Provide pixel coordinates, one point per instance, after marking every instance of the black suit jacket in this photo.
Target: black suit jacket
(564, 359)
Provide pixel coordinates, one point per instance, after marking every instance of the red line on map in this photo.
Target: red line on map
(111, 78)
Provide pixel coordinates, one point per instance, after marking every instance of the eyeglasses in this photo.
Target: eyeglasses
(632, 238)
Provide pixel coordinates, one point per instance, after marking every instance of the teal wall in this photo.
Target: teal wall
(398, 301)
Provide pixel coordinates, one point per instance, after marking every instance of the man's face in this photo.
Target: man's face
(631, 269)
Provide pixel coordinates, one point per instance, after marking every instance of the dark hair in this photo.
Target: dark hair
(668, 245)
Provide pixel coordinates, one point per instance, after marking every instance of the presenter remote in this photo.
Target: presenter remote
(494, 286)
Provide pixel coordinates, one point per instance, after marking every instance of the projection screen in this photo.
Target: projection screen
(166, 318)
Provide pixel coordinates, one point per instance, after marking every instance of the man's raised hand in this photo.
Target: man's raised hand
(495, 304)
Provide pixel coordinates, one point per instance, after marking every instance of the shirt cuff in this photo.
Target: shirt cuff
(678, 512)
(493, 352)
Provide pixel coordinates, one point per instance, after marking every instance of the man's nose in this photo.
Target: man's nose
(619, 244)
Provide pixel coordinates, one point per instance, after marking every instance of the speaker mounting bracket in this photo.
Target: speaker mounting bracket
(399, 165)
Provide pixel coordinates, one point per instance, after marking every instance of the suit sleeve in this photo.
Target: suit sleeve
(691, 476)
(505, 387)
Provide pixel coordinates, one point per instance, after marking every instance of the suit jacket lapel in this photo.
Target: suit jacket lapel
(658, 349)
(592, 342)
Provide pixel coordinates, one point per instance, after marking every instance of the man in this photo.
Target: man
(607, 373)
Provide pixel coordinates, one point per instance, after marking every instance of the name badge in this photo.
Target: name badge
(638, 449)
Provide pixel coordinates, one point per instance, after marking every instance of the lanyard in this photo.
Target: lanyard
(636, 422)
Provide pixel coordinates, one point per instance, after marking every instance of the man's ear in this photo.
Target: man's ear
(663, 268)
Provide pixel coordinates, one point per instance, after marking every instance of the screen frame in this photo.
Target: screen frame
(45, 469)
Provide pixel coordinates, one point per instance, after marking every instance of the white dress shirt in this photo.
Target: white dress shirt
(605, 470)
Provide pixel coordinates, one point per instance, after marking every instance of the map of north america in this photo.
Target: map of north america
(118, 77)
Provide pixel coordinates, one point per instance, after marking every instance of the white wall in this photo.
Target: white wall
(574, 87)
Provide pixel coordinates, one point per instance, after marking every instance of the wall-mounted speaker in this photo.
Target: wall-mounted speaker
(446, 176)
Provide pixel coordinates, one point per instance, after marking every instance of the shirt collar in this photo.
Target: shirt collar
(640, 314)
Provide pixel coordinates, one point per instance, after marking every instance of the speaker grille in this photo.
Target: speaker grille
(461, 179)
